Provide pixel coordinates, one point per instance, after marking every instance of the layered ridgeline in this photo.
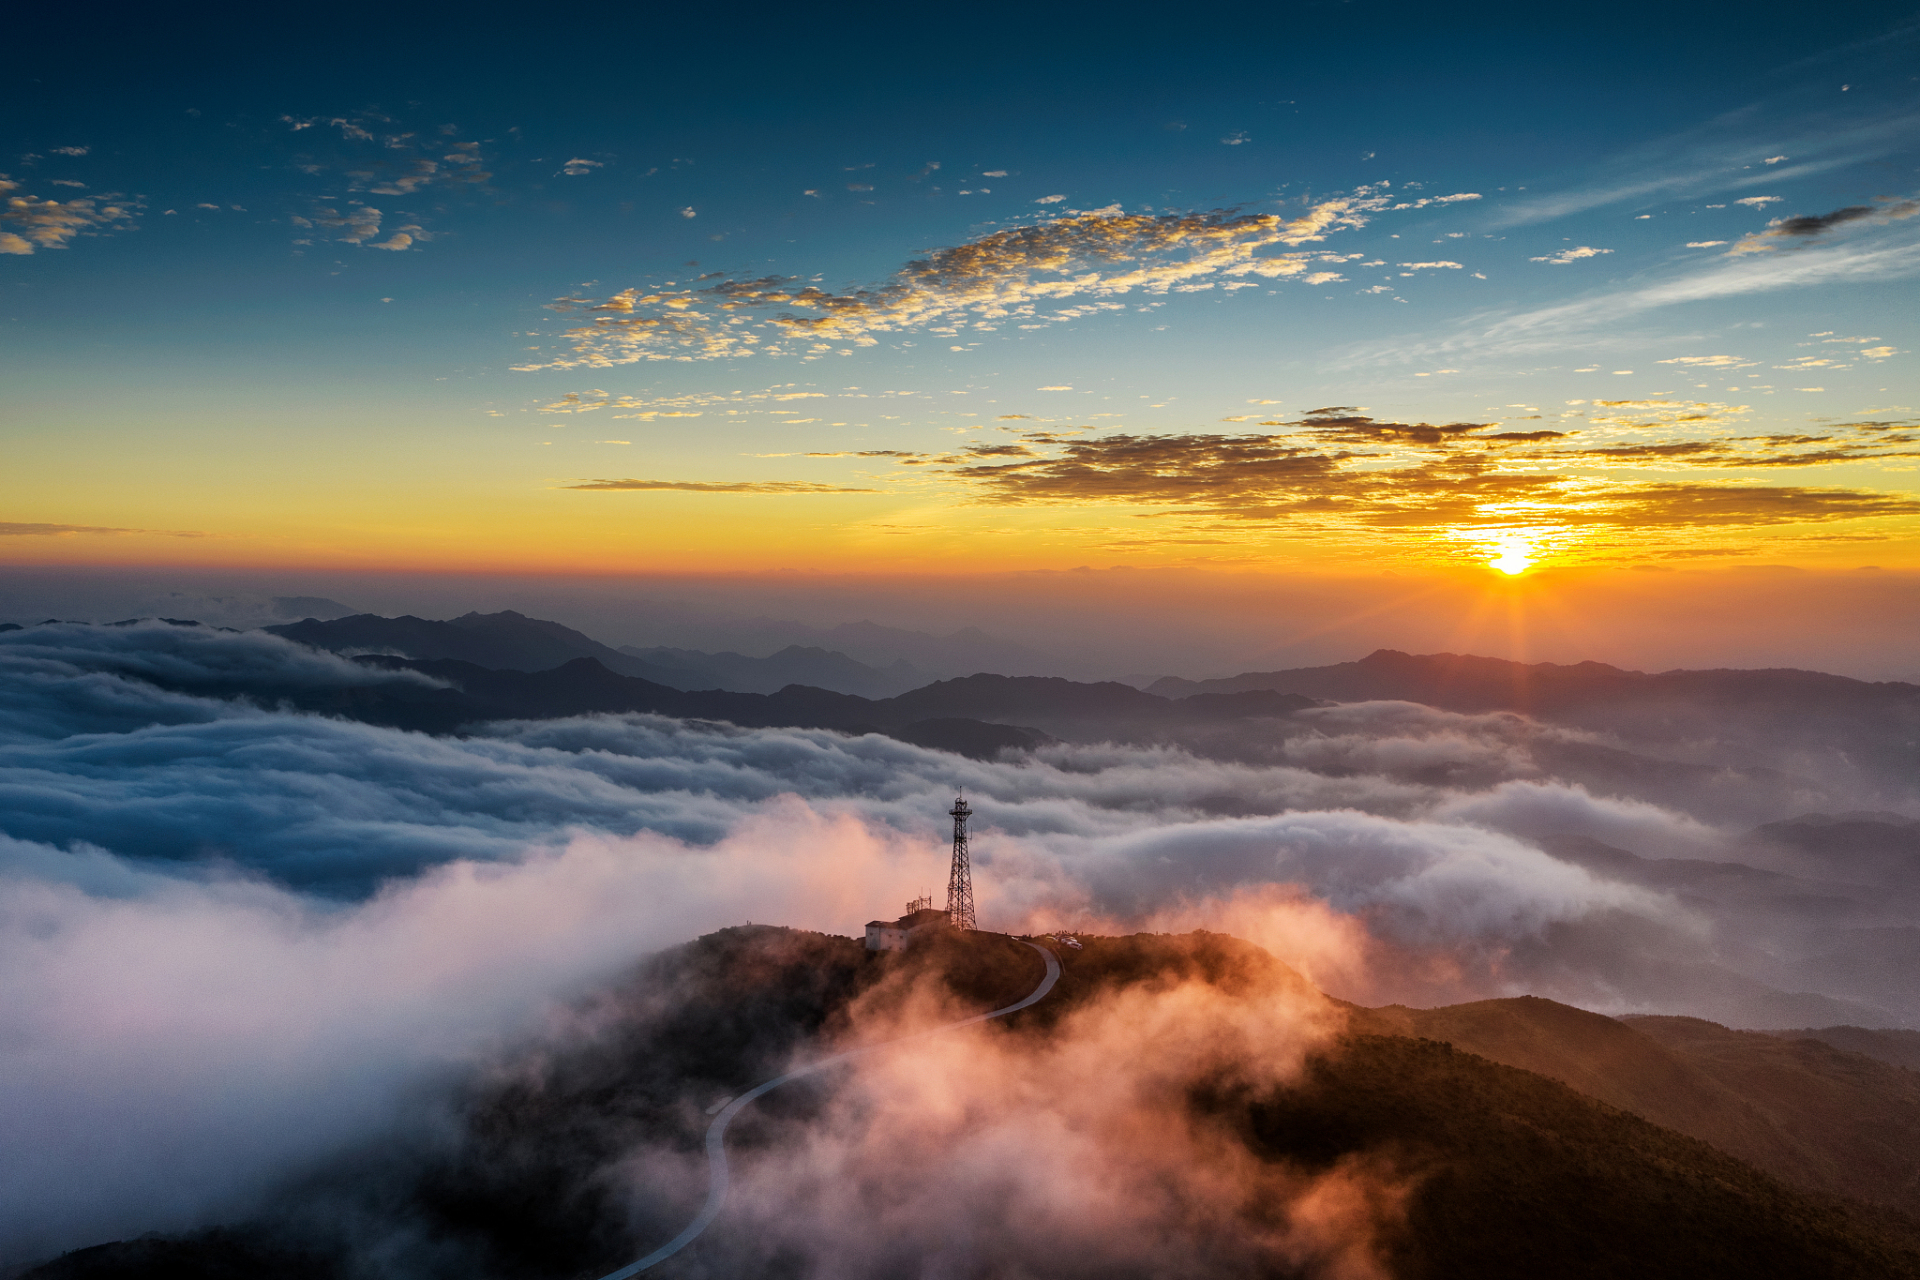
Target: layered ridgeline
(1179, 1105)
(1668, 734)
(861, 658)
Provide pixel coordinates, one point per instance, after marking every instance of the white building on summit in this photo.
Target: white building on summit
(894, 935)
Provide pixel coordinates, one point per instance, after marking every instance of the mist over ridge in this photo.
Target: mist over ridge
(171, 814)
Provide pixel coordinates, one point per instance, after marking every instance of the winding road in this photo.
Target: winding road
(717, 1131)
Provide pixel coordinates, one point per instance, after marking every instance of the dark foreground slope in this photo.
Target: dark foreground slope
(1500, 1172)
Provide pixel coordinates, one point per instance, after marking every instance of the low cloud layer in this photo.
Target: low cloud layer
(236, 939)
(1081, 1152)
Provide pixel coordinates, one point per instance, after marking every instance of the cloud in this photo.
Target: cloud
(1889, 254)
(71, 151)
(360, 225)
(11, 529)
(575, 168)
(1336, 473)
(237, 941)
(1564, 256)
(1712, 362)
(1759, 202)
(375, 155)
(1715, 157)
(28, 222)
(1704, 244)
(1049, 199)
(1059, 269)
(716, 486)
(1434, 266)
(1078, 1151)
(1807, 227)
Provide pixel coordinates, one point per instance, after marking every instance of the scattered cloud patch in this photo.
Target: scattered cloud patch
(1565, 256)
(577, 167)
(29, 223)
(1806, 227)
(1712, 362)
(1051, 271)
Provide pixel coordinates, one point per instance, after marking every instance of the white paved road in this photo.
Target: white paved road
(717, 1131)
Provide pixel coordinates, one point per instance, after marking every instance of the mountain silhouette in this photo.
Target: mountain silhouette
(1526, 1138)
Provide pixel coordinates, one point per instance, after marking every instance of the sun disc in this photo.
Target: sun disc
(1511, 561)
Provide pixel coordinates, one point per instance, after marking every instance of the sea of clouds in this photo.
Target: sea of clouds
(235, 939)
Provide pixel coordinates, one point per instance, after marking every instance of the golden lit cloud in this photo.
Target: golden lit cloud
(1515, 495)
(28, 222)
(1059, 269)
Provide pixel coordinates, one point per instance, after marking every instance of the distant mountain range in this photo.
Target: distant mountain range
(962, 652)
(512, 641)
(1770, 718)
(509, 666)
(947, 714)
(1462, 682)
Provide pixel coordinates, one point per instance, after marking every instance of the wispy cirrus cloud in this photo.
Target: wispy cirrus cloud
(1718, 156)
(714, 486)
(1059, 269)
(28, 530)
(1890, 252)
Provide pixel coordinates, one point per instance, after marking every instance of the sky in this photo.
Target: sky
(1329, 290)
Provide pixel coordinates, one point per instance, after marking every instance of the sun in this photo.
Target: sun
(1516, 556)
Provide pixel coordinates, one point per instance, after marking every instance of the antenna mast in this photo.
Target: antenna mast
(960, 881)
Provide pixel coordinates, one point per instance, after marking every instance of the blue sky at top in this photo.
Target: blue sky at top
(1609, 152)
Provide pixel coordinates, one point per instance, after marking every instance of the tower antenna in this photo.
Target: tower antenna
(960, 880)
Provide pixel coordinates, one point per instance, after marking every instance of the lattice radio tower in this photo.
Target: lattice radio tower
(960, 880)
